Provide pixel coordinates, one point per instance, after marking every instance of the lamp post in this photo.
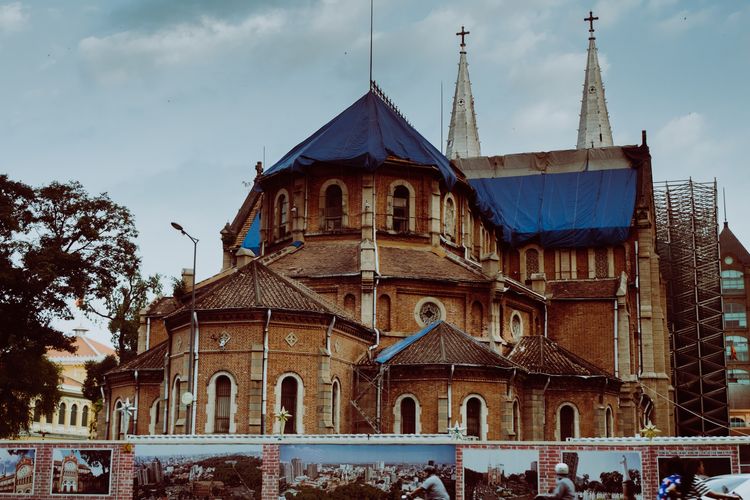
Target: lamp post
(191, 359)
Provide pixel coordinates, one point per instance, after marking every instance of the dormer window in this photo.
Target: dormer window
(333, 208)
(449, 218)
(282, 206)
(401, 209)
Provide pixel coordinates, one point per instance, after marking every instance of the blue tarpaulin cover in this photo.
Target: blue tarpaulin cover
(390, 351)
(363, 136)
(574, 209)
(252, 238)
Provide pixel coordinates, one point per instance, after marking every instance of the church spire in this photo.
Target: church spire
(463, 136)
(593, 130)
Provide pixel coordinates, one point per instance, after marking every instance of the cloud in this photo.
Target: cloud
(684, 147)
(544, 118)
(13, 17)
(117, 57)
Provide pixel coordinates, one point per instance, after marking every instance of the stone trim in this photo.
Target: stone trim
(397, 413)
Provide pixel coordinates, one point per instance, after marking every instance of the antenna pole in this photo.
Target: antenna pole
(441, 115)
(371, 12)
(724, 195)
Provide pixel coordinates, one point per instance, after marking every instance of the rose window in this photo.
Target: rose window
(429, 313)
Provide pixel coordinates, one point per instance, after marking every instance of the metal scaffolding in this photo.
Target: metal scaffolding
(688, 247)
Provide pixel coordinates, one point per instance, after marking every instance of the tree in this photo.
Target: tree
(95, 376)
(123, 307)
(57, 243)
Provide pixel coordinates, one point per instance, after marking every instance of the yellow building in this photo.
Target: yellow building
(74, 413)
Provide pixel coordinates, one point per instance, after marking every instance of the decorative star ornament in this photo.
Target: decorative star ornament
(457, 432)
(650, 431)
(282, 416)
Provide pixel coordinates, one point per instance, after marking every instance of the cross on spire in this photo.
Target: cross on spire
(591, 20)
(463, 34)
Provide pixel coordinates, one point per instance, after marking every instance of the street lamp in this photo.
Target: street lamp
(191, 359)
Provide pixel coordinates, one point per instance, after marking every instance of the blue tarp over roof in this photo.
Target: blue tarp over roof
(363, 136)
(252, 238)
(573, 209)
(390, 351)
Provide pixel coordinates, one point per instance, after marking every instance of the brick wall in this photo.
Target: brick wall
(121, 475)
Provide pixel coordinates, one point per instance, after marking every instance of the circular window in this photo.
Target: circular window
(728, 260)
(429, 313)
(516, 328)
(428, 310)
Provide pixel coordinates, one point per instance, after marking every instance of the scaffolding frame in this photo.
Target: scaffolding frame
(687, 233)
(372, 386)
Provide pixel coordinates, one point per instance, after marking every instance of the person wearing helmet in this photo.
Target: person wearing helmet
(564, 489)
(432, 487)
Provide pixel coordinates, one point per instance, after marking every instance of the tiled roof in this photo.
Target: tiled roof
(320, 258)
(153, 359)
(163, 306)
(85, 348)
(730, 244)
(539, 354)
(585, 289)
(439, 344)
(400, 262)
(257, 286)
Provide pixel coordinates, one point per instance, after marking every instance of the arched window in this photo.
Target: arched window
(37, 411)
(736, 422)
(734, 315)
(153, 415)
(532, 262)
(736, 348)
(49, 417)
(567, 422)
(609, 423)
(516, 421)
(282, 210)
(117, 421)
(477, 318)
(350, 303)
(222, 404)
(85, 416)
(407, 415)
(289, 393)
(336, 406)
(474, 417)
(732, 281)
(74, 415)
(333, 208)
(384, 313)
(289, 402)
(449, 218)
(401, 209)
(61, 414)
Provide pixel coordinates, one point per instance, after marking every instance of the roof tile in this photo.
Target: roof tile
(439, 344)
(539, 354)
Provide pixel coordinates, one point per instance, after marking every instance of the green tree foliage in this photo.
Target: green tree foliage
(57, 243)
(123, 307)
(95, 376)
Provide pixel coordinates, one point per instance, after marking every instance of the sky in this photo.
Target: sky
(509, 460)
(594, 463)
(166, 105)
(175, 450)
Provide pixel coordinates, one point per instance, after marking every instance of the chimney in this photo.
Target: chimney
(244, 257)
(188, 278)
(491, 264)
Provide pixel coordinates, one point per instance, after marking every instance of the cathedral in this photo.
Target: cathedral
(372, 284)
